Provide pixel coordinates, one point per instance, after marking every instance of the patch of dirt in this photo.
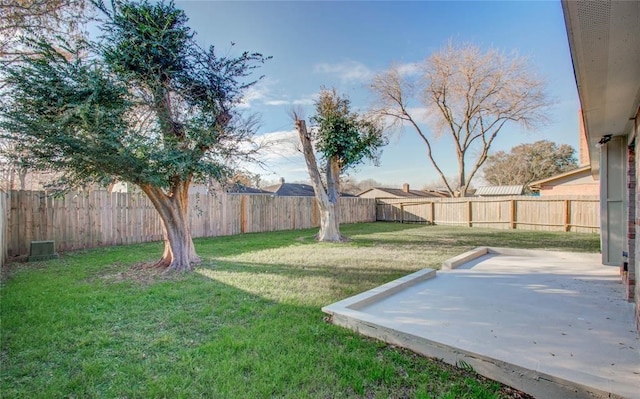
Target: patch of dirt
(512, 393)
(19, 262)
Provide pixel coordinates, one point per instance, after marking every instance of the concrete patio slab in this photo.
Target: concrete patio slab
(552, 324)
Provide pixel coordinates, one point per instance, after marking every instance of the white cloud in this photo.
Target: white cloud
(279, 157)
(308, 100)
(278, 145)
(408, 69)
(277, 102)
(260, 92)
(305, 101)
(254, 93)
(300, 101)
(347, 71)
(420, 115)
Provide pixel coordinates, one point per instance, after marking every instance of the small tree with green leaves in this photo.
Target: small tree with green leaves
(343, 140)
(144, 104)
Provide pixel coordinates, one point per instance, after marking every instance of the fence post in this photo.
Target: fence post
(401, 212)
(512, 214)
(469, 214)
(567, 215)
(243, 214)
(433, 212)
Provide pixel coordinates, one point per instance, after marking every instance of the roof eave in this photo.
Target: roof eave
(604, 42)
(560, 176)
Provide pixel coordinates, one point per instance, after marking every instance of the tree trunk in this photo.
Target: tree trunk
(329, 224)
(327, 202)
(22, 176)
(179, 252)
(462, 181)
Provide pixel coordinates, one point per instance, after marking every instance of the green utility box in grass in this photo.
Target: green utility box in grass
(42, 250)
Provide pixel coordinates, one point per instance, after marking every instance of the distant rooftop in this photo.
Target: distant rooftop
(291, 190)
(242, 189)
(406, 192)
(494, 191)
(284, 189)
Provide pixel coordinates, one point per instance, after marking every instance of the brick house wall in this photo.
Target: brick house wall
(573, 189)
(628, 268)
(635, 223)
(579, 181)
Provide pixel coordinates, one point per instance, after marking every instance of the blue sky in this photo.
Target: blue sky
(342, 44)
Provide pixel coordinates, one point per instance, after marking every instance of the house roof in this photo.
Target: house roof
(490, 191)
(604, 39)
(294, 190)
(570, 173)
(398, 192)
(242, 189)
(291, 190)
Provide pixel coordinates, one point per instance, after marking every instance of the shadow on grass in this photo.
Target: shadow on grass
(198, 337)
(314, 285)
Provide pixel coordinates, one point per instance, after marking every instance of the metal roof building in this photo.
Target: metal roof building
(496, 191)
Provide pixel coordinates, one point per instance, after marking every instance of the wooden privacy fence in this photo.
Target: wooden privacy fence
(3, 227)
(576, 213)
(97, 218)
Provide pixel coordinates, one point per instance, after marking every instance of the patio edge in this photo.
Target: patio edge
(530, 381)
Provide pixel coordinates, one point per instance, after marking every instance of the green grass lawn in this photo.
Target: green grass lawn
(247, 324)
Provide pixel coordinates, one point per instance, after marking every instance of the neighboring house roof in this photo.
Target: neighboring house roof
(242, 189)
(491, 191)
(294, 190)
(291, 190)
(578, 171)
(401, 193)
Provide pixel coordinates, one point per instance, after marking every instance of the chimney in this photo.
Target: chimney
(405, 187)
(282, 180)
(583, 148)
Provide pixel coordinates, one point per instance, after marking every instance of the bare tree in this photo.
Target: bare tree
(29, 18)
(468, 95)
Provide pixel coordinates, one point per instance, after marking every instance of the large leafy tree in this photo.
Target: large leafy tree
(144, 104)
(469, 96)
(526, 163)
(343, 139)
